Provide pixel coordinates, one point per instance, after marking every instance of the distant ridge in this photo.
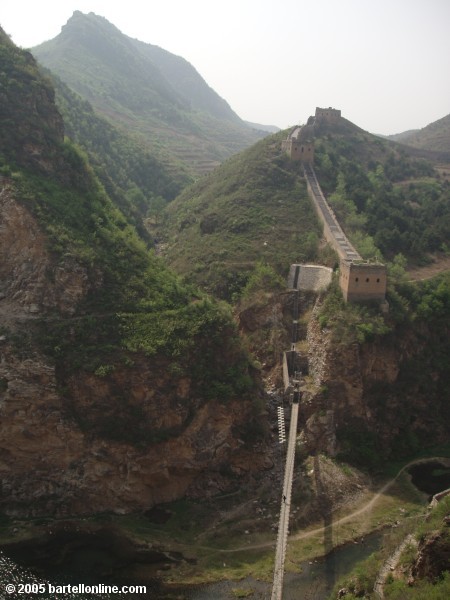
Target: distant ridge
(269, 128)
(401, 137)
(146, 90)
(435, 137)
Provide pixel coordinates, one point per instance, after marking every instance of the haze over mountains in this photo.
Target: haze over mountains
(148, 91)
(161, 99)
(78, 287)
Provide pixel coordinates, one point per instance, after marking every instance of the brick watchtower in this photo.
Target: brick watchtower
(329, 115)
(300, 144)
(362, 280)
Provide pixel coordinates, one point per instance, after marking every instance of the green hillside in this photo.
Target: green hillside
(146, 90)
(143, 352)
(389, 200)
(421, 546)
(138, 181)
(187, 82)
(255, 208)
(135, 304)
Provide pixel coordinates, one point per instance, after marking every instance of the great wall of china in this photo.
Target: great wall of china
(359, 279)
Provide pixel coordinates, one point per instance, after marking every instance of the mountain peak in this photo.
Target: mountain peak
(147, 90)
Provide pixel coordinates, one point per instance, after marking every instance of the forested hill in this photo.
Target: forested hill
(137, 180)
(255, 208)
(389, 200)
(147, 90)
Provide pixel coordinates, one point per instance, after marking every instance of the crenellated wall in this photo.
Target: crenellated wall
(333, 232)
(359, 279)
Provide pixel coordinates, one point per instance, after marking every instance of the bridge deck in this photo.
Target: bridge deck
(283, 526)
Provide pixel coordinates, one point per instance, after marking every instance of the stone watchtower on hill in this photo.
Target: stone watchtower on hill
(329, 115)
(359, 279)
(299, 144)
(362, 280)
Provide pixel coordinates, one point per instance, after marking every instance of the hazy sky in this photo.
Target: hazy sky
(384, 63)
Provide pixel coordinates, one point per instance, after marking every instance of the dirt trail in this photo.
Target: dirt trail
(440, 265)
(366, 507)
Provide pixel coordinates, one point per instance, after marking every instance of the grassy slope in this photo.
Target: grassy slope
(252, 208)
(361, 580)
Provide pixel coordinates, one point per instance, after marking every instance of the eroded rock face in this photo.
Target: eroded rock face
(61, 453)
(433, 556)
(30, 278)
(385, 385)
(267, 324)
(119, 441)
(54, 463)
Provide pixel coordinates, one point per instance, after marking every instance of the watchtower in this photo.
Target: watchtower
(362, 280)
(329, 115)
(299, 144)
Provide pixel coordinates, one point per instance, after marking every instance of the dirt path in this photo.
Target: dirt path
(440, 264)
(306, 534)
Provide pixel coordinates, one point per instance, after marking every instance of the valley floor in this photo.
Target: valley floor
(244, 552)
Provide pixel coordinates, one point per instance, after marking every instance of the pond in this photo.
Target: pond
(431, 477)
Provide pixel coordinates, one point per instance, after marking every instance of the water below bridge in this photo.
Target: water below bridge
(314, 582)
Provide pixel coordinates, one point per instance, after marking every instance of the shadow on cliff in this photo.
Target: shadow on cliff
(325, 509)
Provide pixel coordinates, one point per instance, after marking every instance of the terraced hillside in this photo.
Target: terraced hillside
(146, 90)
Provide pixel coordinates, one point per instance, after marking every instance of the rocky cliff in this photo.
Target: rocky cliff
(30, 279)
(86, 423)
(79, 442)
(389, 393)
(386, 396)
